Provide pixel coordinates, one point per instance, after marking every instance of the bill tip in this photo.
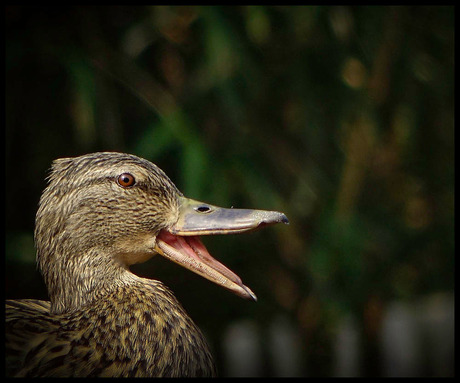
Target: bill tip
(251, 295)
(284, 219)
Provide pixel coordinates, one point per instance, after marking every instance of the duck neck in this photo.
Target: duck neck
(74, 282)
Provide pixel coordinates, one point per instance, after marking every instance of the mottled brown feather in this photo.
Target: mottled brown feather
(102, 320)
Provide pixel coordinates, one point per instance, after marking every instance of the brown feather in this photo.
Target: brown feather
(102, 320)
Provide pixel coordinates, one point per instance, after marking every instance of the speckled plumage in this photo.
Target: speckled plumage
(135, 331)
(102, 320)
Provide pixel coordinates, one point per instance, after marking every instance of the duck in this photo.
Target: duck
(99, 214)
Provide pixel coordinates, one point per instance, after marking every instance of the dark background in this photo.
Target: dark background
(341, 117)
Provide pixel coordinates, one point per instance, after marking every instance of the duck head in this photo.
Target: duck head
(103, 212)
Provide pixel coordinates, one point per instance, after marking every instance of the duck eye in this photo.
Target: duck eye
(203, 209)
(126, 180)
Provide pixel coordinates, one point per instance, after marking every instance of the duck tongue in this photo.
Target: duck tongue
(190, 253)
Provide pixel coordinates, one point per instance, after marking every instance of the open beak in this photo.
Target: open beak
(181, 243)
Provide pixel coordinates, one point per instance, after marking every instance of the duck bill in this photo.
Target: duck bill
(181, 243)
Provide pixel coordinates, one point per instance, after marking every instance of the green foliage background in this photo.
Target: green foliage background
(341, 117)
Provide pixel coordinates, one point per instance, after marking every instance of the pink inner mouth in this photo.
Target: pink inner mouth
(190, 252)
